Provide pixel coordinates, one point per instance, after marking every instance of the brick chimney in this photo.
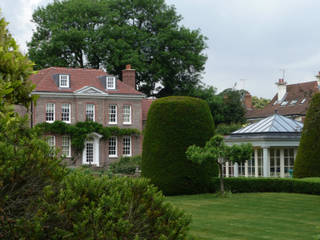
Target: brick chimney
(282, 89)
(129, 76)
(248, 101)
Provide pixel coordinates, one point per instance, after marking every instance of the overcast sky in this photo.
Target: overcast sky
(249, 41)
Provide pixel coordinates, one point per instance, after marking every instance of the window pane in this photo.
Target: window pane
(65, 112)
(112, 113)
(90, 112)
(66, 146)
(111, 82)
(126, 146)
(112, 146)
(50, 108)
(126, 113)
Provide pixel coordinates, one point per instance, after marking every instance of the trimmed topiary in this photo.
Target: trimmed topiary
(174, 123)
(307, 163)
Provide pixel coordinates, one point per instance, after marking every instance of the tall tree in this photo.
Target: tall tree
(113, 33)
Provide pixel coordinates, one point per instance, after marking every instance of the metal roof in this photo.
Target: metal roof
(273, 124)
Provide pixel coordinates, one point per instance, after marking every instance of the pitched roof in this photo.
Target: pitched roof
(295, 102)
(146, 103)
(273, 124)
(79, 78)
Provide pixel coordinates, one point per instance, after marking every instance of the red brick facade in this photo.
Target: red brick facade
(88, 86)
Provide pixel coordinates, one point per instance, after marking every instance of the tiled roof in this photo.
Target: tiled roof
(79, 78)
(146, 103)
(273, 124)
(295, 102)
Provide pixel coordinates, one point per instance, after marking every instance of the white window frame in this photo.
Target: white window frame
(110, 82)
(115, 146)
(51, 141)
(111, 113)
(63, 146)
(51, 110)
(93, 111)
(69, 112)
(125, 146)
(64, 78)
(127, 114)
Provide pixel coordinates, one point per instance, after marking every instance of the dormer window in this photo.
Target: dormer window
(64, 81)
(111, 82)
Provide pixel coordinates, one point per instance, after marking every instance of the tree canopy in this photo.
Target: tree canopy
(226, 107)
(112, 33)
(259, 102)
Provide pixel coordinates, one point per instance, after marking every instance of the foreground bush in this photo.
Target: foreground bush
(126, 165)
(88, 207)
(247, 185)
(174, 123)
(307, 163)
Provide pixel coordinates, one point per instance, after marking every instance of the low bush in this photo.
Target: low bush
(289, 185)
(87, 207)
(126, 165)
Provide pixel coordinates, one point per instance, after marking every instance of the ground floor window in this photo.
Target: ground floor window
(260, 162)
(113, 147)
(66, 146)
(251, 167)
(126, 144)
(241, 169)
(288, 161)
(275, 162)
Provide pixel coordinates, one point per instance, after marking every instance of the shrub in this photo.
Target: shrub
(307, 163)
(247, 185)
(225, 129)
(126, 165)
(87, 207)
(174, 123)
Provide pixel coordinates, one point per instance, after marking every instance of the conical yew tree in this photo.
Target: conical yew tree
(307, 163)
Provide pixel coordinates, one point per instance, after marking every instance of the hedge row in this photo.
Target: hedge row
(247, 185)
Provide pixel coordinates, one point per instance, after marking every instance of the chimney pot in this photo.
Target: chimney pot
(128, 66)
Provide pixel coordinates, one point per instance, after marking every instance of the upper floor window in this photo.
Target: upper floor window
(126, 143)
(65, 112)
(66, 146)
(113, 147)
(64, 81)
(112, 114)
(126, 114)
(90, 113)
(50, 112)
(111, 82)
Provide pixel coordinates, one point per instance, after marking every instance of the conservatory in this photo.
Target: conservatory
(275, 140)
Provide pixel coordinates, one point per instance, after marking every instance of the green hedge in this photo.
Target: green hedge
(307, 163)
(126, 165)
(175, 123)
(247, 185)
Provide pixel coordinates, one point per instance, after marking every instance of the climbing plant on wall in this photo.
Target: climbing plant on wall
(79, 131)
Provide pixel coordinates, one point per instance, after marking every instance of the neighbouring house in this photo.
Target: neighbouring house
(291, 100)
(275, 140)
(75, 95)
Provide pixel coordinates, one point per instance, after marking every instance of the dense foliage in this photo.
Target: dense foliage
(126, 165)
(307, 163)
(225, 129)
(247, 185)
(226, 107)
(113, 33)
(27, 164)
(87, 207)
(79, 131)
(218, 152)
(174, 123)
(259, 102)
(15, 68)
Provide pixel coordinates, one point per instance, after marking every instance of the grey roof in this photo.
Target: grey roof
(273, 124)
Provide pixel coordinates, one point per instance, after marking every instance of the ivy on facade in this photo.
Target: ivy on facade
(80, 131)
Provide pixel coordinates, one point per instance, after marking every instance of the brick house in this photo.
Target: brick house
(76, 95)
(291, 100)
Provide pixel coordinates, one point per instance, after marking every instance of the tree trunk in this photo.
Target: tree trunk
(221, 178)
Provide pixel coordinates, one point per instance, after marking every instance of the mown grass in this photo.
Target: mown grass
(252, 216)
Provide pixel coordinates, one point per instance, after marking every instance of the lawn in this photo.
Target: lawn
(252, 216)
